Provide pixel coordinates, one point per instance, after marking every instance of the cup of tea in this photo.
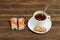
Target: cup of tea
(42, 19)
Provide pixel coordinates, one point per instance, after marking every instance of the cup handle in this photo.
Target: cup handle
(48, 17)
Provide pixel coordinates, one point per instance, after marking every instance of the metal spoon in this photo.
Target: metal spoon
(47, 5)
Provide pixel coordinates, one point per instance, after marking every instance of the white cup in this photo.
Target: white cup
(42, 23)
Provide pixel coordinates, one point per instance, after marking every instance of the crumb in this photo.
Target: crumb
(39, 29)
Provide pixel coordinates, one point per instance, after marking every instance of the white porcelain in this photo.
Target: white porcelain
(45, 23)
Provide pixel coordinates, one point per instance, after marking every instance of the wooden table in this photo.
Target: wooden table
(26, 8)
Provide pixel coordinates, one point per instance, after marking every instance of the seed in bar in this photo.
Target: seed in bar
(21, 23)
(13, 23)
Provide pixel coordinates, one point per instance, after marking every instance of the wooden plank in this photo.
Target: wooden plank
(21, 6)
(30, 2)
(22, 1)
(26, 11)
(8, 34)
(18, 6)
(29, 7)
(53, 2)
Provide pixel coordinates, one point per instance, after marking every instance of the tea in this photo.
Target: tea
(40, 17)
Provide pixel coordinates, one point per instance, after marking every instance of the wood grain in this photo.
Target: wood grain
(26, 9)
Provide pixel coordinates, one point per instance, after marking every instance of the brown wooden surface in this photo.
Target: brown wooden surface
(26, 8)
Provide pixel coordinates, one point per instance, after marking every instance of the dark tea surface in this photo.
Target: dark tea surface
(40, 17)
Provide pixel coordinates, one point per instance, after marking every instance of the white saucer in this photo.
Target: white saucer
(31, 26)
